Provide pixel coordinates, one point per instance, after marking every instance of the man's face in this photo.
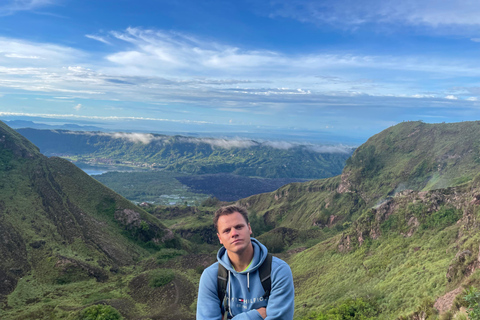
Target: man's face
(234, 232)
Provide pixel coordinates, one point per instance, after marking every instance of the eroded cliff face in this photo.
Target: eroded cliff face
(413, 212)
(414, 207)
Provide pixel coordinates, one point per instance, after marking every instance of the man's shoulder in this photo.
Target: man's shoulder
(280, 268)
(209, 276)
(211, 269)
(277, 262)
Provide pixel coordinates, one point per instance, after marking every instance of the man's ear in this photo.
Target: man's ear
(249, 228)
(219, 238)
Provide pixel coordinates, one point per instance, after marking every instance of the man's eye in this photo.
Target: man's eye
(226, 231)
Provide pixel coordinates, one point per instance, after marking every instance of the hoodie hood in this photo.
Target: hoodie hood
(259, 255)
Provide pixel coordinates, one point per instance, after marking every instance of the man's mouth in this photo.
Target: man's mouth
(237, 241)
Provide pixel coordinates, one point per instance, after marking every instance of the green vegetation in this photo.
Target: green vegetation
(416, 155)
(189, 155)
(385, 240)
(100, 312)
(158, 187)
(472, 297)
(167, 254)
(350, 309)
(68, 241)
(161, 277)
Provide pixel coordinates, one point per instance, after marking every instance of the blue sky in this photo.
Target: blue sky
(346, 68)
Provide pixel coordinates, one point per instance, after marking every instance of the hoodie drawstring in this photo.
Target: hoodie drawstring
(248, 281)
(229, 284)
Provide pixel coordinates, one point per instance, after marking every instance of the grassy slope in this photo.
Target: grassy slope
(399, 248)
(305, 205)
(415, 155)
(411, 155)
(400, 270)
(66, 245)
(402, 249)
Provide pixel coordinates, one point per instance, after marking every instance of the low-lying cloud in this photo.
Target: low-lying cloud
(134, 137)
(147, 138)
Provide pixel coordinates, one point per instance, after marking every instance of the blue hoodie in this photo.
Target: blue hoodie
(245, 291)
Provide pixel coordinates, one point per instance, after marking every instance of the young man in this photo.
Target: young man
(242, 257)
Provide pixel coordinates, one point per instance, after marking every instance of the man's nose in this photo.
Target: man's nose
(233, 232)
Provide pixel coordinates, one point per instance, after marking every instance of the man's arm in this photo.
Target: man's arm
(208, 303)
(281, 302)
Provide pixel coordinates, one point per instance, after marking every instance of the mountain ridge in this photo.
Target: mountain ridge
(405, 204)
(194, 155)
(60, 227)
(396, 231)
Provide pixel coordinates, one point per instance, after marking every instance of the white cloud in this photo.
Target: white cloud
(451, 97)
(144, 138)
(36, 52)
(222, 143)
(19, 56)
(421, 96)
(171, 69)
(98, 38)
(147, 138)
(472, 99)
(354, 13)
(78, 107)
(9, 7)
(175, 51)
(107, 118)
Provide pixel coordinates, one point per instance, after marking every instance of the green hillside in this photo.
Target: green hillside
(409, 156)
(398, 228)
(193, 155)
(68, 242)
(415, 155)
(395, 236)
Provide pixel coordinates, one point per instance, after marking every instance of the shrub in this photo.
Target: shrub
(274, 242)
(199, 269)
(349, 310)
(472, 297)
(161, 277)
(166, 254)
(447, 316)
(461, 316)
(100, 312)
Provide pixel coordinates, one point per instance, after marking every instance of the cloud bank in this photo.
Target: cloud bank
(147, 138)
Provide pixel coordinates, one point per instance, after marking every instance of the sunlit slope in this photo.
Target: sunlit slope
(399, 226)
(403, 255)
(414, 155)
(410, 155)
(304, 205)
(60, 226)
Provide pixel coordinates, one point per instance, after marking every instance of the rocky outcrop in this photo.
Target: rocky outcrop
(128, 218)
(458, 198)
(445, 302)
(345, 184)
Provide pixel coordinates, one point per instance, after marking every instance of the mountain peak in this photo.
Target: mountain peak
(14, 143)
